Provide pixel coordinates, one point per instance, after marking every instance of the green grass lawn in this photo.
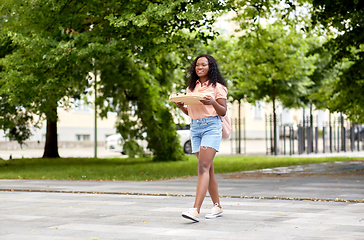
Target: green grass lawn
(138, 169)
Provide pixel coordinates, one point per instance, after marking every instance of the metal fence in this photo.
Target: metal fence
(306, 136)
(238, 136)
(270, 141)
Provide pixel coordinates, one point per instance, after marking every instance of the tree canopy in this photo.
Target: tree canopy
(15, 121)
(338, 80)
(58, 43)
(344, 21)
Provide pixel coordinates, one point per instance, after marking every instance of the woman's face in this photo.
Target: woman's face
(202, 67)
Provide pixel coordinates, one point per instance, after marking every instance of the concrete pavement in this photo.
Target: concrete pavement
(318, 201)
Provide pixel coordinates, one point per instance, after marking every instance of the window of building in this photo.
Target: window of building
(80, 105)
(258, 110)
(82, 137)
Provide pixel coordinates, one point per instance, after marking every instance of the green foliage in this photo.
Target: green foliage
(252, 13)
(324, 79)
(276, 67)
(58, 43)
(14, 121)
(343, 20)
(229, 53)
(269, 61)
(338, 80)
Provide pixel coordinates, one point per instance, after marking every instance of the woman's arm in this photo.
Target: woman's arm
(218, 104)
(222, 106)
(181, 106)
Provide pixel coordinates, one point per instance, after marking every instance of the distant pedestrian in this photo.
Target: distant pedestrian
(206, 130)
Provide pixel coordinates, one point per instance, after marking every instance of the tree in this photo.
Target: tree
(60, 42)
(16, 122)
(345, 21)
(341, 23)
(276, 68)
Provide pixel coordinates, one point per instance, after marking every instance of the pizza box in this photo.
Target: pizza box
(187, 98)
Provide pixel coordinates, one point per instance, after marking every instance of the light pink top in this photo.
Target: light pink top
(197, 111)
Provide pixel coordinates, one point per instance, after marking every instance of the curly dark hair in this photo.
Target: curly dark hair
(214, 74)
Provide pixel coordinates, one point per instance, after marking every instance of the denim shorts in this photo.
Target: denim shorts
(206, 132)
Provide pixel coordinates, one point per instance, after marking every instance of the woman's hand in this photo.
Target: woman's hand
(179, 104)
(219, 104)
(208, 100)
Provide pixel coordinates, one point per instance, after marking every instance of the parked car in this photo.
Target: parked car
(185, 140)
(115, 142)
(356, 135)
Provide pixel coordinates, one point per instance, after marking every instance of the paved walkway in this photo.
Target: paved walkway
(322, 201)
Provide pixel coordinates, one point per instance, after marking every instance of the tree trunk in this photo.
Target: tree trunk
(275, 147)
(304, 130)
(311, 127)
(51, 145)
(342, 132)
(275, 137)
(239, 148)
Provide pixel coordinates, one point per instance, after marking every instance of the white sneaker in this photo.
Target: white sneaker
(216, 211)
(192, 214)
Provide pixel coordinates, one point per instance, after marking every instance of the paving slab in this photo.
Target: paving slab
(302, 202)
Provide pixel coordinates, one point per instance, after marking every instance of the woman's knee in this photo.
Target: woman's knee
(205, 159)
(203, 167)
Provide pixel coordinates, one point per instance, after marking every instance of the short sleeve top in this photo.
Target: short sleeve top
(202, 111)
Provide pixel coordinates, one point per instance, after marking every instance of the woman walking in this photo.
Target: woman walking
(206, 129)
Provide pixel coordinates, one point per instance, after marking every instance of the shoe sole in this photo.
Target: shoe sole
(213, 216)
(190, 217)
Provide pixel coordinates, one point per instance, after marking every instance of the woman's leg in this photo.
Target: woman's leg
(205, 160)
(213, 187)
